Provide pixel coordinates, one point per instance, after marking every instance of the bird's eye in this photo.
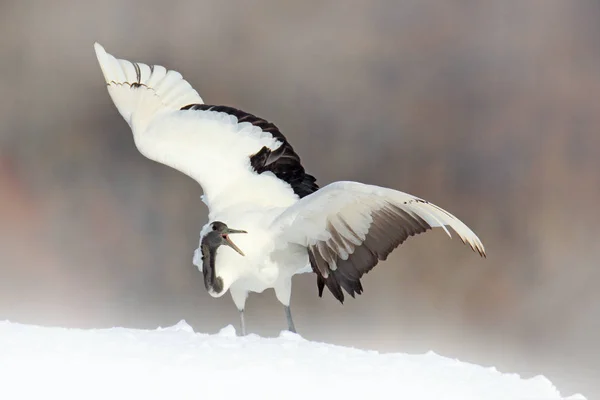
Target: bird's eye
(214, 227)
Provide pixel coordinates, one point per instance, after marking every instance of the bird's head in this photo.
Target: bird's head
(218, 235)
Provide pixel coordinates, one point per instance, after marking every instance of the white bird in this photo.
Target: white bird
(255, 187)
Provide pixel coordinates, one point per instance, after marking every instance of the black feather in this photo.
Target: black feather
(283, 162)
(390, 227)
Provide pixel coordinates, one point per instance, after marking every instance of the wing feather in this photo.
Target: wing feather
(349, 227)
(239, 159)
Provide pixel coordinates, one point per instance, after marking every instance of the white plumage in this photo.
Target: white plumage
(253, 181)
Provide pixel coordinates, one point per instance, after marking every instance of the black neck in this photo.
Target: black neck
(211, 282)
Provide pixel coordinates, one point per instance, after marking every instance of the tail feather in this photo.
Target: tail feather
(140, 91)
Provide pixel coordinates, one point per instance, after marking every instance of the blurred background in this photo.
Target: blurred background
(488, 109)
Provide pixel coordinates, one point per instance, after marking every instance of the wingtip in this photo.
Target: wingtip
(99, 49)
(480, 249)
(104, 61)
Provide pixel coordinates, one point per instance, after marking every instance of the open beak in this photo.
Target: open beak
(230, 243)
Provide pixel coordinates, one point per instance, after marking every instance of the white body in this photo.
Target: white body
(268, 262)
(214, 149)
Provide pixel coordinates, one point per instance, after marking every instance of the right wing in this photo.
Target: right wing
(348, 227)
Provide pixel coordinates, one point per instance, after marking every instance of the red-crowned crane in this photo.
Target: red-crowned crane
(257, 190)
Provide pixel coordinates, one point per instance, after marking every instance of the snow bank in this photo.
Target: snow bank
(176, 363)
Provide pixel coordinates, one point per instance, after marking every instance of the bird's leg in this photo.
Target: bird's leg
(243, 322)
(239, 299)
(288, 315)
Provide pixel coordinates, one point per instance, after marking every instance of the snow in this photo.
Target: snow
(177, 363)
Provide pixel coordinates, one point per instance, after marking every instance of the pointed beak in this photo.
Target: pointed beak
(230, 243)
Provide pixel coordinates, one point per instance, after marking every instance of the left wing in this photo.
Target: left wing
(348, 227)
(236, 157)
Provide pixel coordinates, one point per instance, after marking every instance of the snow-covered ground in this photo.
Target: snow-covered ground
(176, 363)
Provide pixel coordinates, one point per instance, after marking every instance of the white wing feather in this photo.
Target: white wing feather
(140, 91)
(354, 203)
(211, 147)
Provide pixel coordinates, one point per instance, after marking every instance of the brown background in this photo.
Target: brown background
(489, 109)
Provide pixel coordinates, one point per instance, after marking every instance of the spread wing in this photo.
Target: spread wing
(235, 156)
(348, 227)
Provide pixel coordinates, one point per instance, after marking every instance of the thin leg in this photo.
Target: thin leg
(288, 315)
(243, 322)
